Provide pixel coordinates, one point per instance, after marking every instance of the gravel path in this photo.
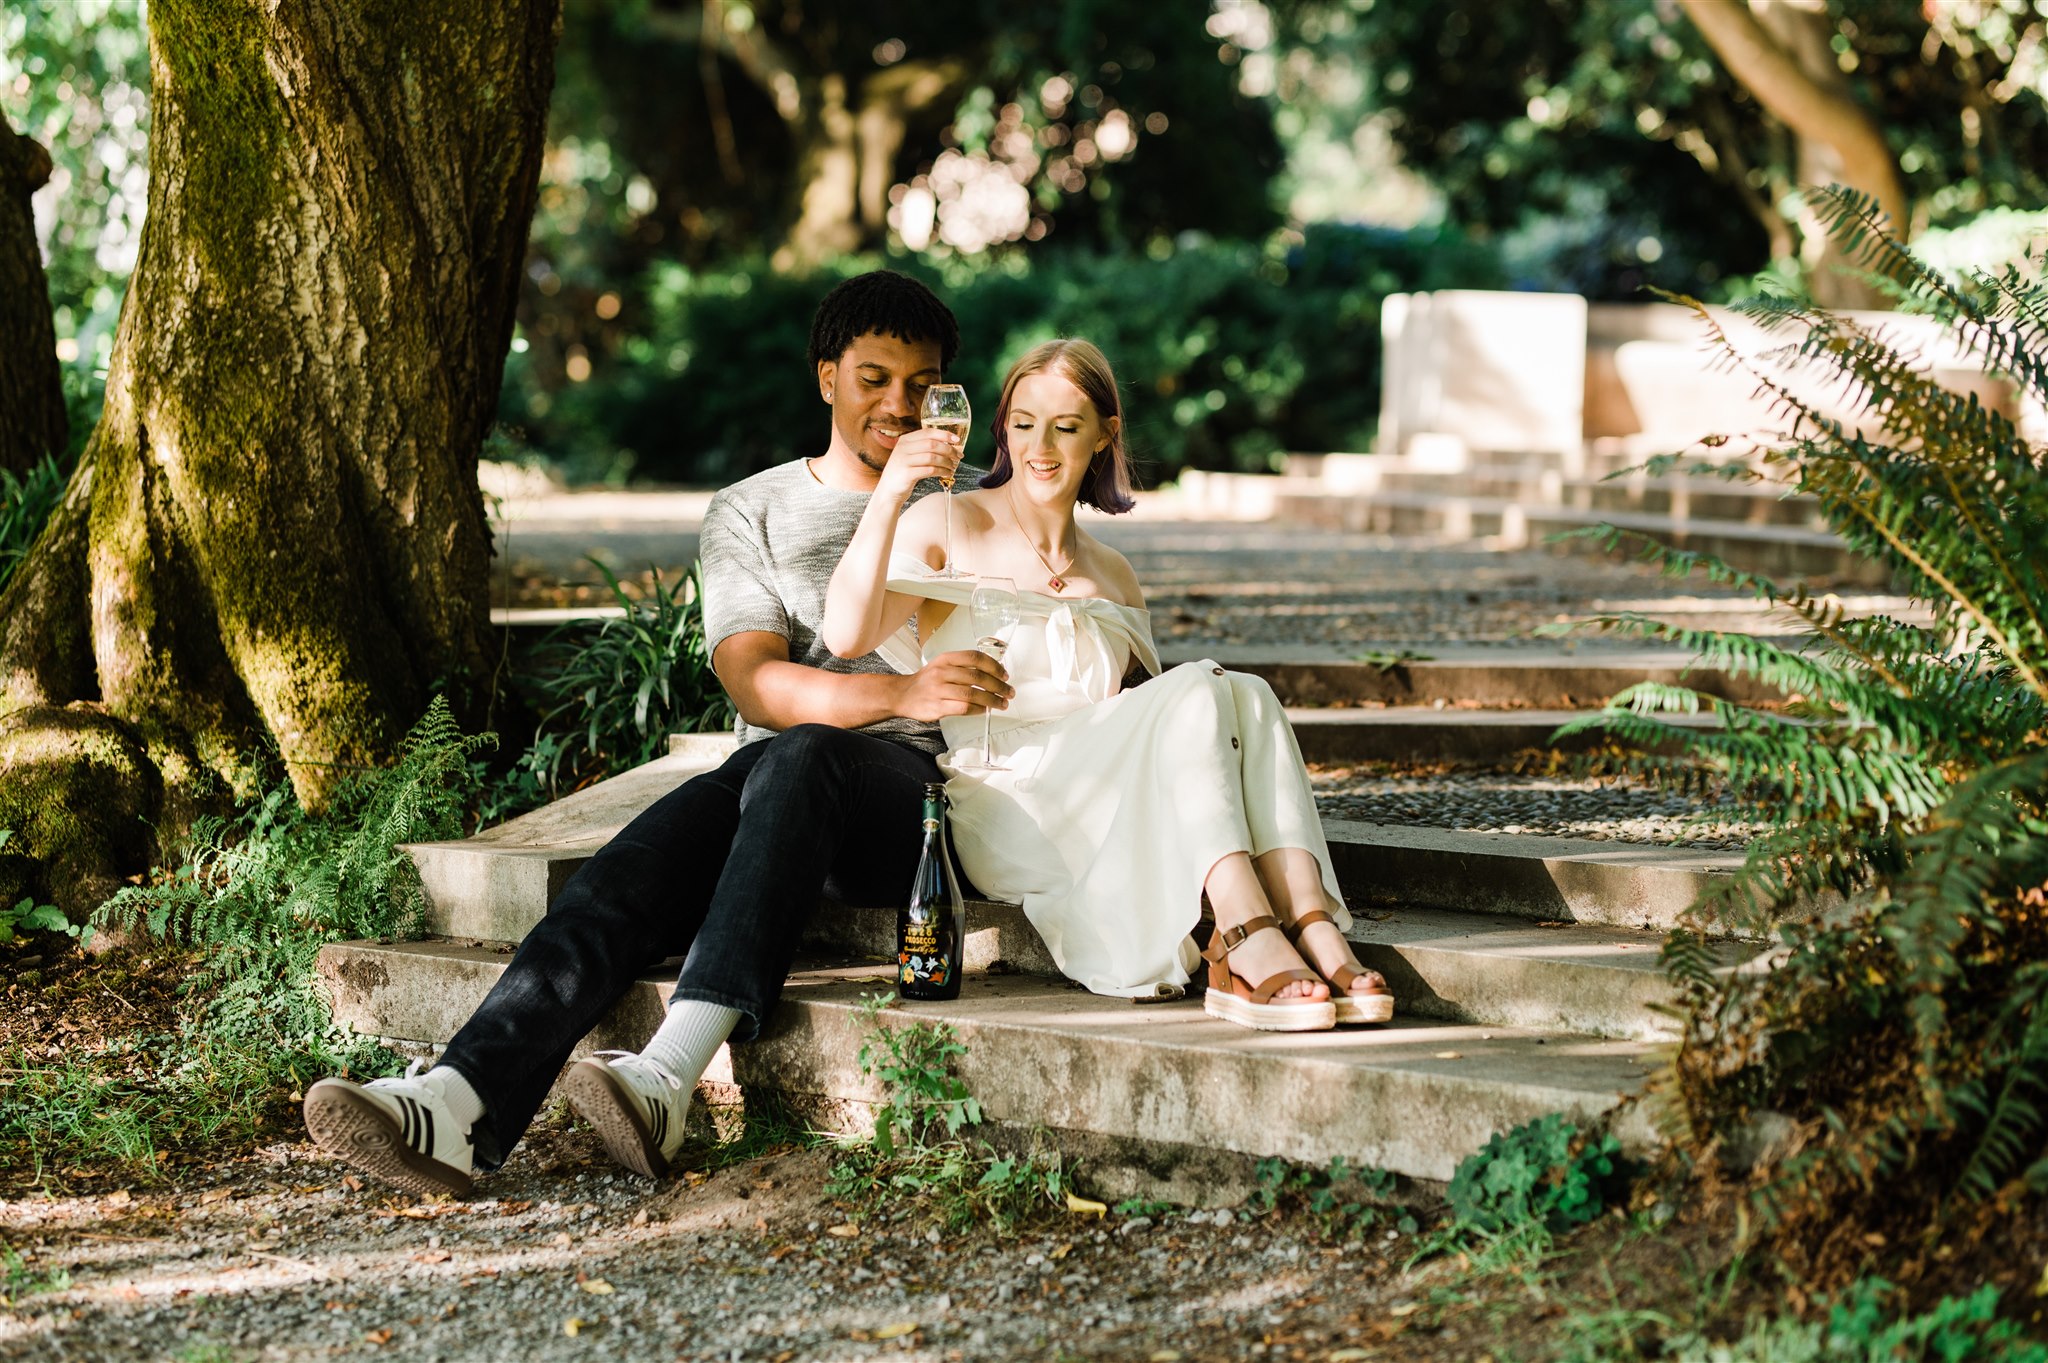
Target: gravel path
(280, 1260)
(1601, 808)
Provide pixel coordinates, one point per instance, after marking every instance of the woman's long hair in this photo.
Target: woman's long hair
(1108, 484)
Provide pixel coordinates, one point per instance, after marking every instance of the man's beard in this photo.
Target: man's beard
(875, 465)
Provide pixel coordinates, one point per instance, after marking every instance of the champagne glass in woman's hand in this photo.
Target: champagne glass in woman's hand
(945, 409)
(997, 614)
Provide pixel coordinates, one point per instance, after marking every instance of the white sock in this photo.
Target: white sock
(689, 1036)
(463, 1104)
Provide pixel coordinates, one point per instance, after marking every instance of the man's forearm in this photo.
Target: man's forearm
(782, 695)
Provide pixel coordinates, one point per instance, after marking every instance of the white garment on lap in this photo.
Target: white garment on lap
(1112, 806)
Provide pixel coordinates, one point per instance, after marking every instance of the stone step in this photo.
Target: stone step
(1421, 734)
(494, 886)
(1533, 483)
(1414, 1097)
(1494, 678)
(1788, 550)
(1642, 886)
(1488, 969)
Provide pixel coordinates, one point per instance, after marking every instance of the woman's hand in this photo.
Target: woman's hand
(919, 454)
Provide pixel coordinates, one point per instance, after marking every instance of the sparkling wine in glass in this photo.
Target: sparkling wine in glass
(998, 612)
(946, 409)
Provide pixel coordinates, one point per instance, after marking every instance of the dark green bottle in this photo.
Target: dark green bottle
(932, 926)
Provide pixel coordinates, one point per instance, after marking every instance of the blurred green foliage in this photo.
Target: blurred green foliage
(74, 76)
(1229, 352)
(1609, 144)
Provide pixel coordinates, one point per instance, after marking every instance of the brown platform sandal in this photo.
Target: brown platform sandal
(1376, 1006)
(1231, 998)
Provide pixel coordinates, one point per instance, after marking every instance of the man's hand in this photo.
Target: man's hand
(961, 683)
(919, 454)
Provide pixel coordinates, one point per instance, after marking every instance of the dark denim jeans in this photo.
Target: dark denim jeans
(723, 871)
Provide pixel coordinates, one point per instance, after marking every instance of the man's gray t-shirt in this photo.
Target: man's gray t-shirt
(770, 544)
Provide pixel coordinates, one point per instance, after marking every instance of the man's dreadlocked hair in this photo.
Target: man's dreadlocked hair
(887, 302)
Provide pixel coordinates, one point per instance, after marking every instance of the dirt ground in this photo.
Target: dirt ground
(250, 1244)
(279, 1254)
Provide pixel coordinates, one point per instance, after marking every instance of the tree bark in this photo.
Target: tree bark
(274, 543)
(1780, 52)
(32, 419)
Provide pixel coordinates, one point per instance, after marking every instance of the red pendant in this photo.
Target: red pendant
(1058, 584)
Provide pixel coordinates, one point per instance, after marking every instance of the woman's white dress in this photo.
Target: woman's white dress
(1110, 807)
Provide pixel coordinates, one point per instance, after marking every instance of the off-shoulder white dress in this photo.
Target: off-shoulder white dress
(1111, 807)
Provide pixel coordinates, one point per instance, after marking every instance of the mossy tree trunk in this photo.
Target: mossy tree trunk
(274, 546)
(32, 422)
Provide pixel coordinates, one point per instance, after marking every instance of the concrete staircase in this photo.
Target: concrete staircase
(1526, 967)
(1511, 502)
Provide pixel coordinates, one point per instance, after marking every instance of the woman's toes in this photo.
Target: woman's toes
(1371, 982)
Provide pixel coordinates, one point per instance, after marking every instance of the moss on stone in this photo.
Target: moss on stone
(80, 793)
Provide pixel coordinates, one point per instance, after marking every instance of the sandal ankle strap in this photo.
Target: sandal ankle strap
(1293, 930)
(1226, 940)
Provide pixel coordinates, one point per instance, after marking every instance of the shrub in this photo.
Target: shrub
(611, 692)
(1229, 352)
(1905, 1022)
(1542, 1173)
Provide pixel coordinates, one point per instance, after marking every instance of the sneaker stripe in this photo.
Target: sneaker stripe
(427, 1120)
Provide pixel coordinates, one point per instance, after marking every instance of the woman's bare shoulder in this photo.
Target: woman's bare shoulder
(1114, 571)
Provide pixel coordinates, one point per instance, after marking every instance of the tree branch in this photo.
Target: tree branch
(1804, 104)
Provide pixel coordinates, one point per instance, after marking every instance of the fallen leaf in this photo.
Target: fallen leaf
(597, 1287)
(1450, 1055)
(216, 1194)
(432, 1256)
(896, 1331)
(573, 1326)
(378, 1336)
(1406, 1308)
(352, 1183)
(1350, 1355)
(1086, 1206)
(120, 1197)
(563, 1240)
(1063, 1251)
(1166, 1356)
(640, 1217)
(843, 1229)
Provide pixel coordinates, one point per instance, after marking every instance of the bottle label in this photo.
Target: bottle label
(918, 958)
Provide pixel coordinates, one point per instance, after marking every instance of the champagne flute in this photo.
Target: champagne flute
(945, 409)
(998, 612)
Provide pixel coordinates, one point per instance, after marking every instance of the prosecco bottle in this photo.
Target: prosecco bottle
(931, 929)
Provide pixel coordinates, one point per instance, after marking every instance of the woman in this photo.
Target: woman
(1109, 814)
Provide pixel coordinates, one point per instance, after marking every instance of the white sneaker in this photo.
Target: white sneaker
(637, 1106)
(397, 1130)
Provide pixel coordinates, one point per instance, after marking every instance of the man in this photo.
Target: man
(823, 794)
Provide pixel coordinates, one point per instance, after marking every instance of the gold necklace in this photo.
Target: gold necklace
(1053, 578)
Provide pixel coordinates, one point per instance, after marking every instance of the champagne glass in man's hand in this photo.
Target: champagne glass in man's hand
(945, 409)
(998, 612)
